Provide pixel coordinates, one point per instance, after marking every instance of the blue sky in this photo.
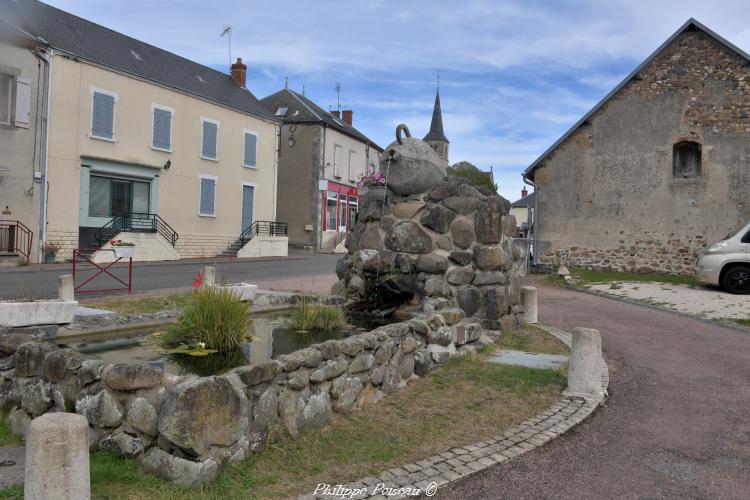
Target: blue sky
(514, 75)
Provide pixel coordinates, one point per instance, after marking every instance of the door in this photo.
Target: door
(248, 199)
(342, 213)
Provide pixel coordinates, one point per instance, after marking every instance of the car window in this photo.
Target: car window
(736, 231)
(746, 238)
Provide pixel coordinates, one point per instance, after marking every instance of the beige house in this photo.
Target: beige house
(22, 77)
(321, 158)
(523, 210)
(150, 147)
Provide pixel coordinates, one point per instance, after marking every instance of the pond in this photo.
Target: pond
(271, 334)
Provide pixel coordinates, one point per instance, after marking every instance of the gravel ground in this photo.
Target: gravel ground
(705, 302)
(676, 424)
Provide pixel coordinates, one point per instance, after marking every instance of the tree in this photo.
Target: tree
(476, 176)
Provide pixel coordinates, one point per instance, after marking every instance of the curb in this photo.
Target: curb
(422, 478)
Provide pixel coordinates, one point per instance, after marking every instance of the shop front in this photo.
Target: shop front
(340, 207)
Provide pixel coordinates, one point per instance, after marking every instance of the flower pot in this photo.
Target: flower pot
(373, 193)
(124, 252)
(49, 258)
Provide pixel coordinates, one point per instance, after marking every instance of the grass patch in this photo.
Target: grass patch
(530, 339)
(145, 305)
(585, 277)
(743, 322)
(7, 437)
(310, 316)
(465, 401)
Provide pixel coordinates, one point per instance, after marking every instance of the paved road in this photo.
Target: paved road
(42, 282)
(676, 425)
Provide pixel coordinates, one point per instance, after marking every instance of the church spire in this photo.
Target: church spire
(436, 127)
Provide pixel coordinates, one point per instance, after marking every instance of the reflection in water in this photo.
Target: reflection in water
(271, 339)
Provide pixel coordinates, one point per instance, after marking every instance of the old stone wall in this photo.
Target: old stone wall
(452, 246)
(607, 195)
(184, 428)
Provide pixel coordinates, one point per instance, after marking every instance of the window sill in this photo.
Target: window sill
(210, 159)
(677, 181)
(98, 138)
(254, 167)
(210, 216)
(162, 149)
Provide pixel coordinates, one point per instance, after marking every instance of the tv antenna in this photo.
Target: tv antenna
(338, 96)
(228, 32)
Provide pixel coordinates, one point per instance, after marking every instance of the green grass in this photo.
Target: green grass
(530, 339)
(310, 316)
(145, 305)
(465, 401)
(743, 322)
(7, 437)
(585, 277)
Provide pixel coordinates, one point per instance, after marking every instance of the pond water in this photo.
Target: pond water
(271, 334)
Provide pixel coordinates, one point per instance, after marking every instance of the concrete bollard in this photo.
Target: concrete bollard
(65, 288)
(57, 457)
(209, 275)
(528, 301)
(585, 371)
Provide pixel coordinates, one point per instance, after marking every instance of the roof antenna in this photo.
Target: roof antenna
(286, 82)
(228, 31)
(338, 96)
(303, 89)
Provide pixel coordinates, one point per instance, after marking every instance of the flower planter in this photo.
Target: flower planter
(245, 291)
(49, 258)
(124, 252)
(373, 193)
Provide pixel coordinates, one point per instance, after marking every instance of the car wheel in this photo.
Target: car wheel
(737, 280)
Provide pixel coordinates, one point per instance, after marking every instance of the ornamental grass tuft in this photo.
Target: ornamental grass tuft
(310, 316)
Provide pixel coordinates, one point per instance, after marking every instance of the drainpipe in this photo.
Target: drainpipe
(321, 196)
(276, 167)
(44, 153)
(534, 218)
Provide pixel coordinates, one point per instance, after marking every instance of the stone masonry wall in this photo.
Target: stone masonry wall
(185, 428)
(198, 245)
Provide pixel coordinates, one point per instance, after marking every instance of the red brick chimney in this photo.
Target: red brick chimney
(335, 113)
(239, 72)
(524, 193)
(348, 115)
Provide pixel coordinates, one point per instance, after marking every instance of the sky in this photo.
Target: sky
(514, 75)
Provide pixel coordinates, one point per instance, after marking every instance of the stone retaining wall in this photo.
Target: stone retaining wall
(185, 428)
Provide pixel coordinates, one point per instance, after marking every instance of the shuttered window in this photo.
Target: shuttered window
(6, 86)
(23, 102)
(251, 143)
(337, 152)
(208, 196)
(352, 165)
(162, 133)
(103, 115)
(210, 131)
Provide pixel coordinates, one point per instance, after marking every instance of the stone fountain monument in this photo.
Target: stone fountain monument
(434, 243)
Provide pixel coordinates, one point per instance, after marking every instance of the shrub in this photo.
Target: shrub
(309, 316)
(216, 317)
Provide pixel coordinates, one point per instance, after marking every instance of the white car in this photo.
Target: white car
(727, 263)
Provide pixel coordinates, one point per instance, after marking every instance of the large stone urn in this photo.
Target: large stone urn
(410, 165)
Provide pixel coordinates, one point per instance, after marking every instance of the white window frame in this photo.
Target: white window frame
(337, 166)
(257, 136)
(200, 187)
(171, 127)
(92, 91)
(12, 82)
(218, 126)
(352, 168)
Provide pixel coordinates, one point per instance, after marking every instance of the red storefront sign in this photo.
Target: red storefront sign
(340, 203)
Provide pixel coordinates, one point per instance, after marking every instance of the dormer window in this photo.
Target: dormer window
(686, 160)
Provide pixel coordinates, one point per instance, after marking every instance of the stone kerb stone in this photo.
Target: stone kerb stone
(584, 370)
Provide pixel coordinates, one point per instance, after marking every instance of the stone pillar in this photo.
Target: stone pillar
(57, 457)
(209, 275)
(65, 288)
(528, 301)
(585, 370)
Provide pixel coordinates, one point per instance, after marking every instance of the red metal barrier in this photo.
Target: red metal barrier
(82, 263)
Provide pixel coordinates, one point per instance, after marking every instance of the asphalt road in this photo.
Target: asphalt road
(41, 282)
(676, 425)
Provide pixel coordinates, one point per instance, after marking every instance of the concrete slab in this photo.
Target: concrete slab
(90, 311)
(11, 474)
(529, 359)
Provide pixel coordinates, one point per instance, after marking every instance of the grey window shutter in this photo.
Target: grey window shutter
(209, 140)
(23, 102)
(208, 195)
(162, 128)
(250, 149)
(102, 118)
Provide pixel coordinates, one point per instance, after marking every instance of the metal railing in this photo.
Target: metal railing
(136, 222)
(15, 237)
(263, 228)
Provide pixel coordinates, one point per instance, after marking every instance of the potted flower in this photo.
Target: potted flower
(123, 249)
(371, 187)
(50, 249)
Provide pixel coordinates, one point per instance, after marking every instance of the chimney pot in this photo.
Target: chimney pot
(239, 72)
(348, 115)
(524, 193)
(335, 113)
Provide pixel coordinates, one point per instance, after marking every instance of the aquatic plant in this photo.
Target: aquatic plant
(311, 316)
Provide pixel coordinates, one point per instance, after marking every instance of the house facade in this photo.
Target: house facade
(180, 150)
(658, 170)
(321, 158)
(23, 71)
(523, 210)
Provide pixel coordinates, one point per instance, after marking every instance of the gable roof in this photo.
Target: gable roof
(300, 109)
(689, 24)
(91, 42)
(436, 125)
(524, 202)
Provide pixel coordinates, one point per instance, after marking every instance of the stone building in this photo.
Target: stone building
(436, 137)
(656, 171)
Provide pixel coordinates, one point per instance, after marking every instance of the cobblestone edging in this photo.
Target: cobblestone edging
(425, 476)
